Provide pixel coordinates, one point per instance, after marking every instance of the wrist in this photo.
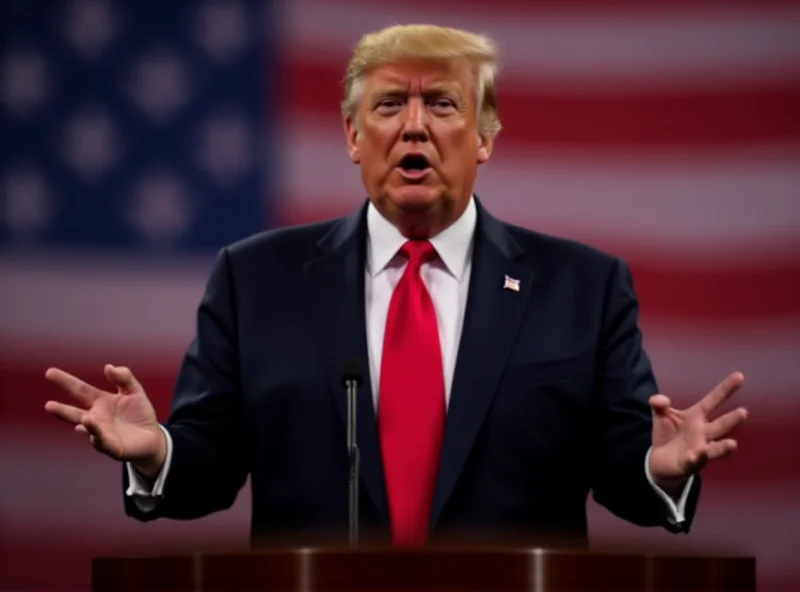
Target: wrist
(672, 486)
(149, 468)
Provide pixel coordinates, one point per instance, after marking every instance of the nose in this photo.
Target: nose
(414, 128)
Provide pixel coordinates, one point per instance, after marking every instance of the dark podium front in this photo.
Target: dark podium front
(440, 570)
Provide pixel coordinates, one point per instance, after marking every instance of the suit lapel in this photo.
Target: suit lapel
(335, 291)
(491, 322)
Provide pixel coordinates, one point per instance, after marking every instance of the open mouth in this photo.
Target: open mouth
(414, 167)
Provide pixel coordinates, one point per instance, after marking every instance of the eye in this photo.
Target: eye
(388, 104)
(443, 104)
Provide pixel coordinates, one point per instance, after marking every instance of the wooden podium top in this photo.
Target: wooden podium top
(442, 570)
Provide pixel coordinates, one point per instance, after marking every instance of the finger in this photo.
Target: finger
(659, 404)
(123, 378)
(90, 429)
(697, 446)
(663, 411)
(721, 448)
(81, 429)
(725, 424)
(64, 412)
(720, 393)
(695, 459)
(98, 439)
(79, 389)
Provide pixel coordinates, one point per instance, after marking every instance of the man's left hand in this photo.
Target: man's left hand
(684, 441)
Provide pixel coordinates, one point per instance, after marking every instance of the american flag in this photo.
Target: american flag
(138, 138)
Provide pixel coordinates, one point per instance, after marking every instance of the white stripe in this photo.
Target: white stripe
(61, 484)
(695, 205)
(702, 45)
(97, 304)
(74, 484)
(80, 312)
(692, 361)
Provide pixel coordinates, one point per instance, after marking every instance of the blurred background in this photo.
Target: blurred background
(140, 137)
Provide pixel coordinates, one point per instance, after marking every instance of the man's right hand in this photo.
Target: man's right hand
(122, 425)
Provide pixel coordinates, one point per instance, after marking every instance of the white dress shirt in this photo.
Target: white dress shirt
(447, 280)
(445, 277)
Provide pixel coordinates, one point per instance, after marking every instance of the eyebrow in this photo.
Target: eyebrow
(396, 91)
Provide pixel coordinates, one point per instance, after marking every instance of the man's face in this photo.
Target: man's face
(416, 140)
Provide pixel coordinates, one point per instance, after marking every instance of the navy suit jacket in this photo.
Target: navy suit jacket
(548, 403)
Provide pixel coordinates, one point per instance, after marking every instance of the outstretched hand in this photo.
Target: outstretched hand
(122, 425)
(684, 441)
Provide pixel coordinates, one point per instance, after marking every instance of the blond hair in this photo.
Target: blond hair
(426, 42)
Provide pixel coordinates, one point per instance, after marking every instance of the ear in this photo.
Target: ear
(485, 146)
(351, 134)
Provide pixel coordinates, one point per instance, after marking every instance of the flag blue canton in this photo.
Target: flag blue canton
(134, 126)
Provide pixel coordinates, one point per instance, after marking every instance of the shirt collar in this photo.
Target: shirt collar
(453, 244)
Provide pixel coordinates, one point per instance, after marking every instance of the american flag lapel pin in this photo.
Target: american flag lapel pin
(511, 284)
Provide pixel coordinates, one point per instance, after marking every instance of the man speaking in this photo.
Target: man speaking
(505, 377)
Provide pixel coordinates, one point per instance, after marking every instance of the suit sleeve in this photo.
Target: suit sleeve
(624, 420)
(209, 462)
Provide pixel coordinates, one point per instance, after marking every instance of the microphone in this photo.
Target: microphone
(352, 376)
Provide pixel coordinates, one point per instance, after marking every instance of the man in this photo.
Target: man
(506, 376)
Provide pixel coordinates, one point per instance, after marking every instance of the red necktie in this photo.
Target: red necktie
(411, 405)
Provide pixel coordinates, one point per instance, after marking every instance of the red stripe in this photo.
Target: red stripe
(524, 8)
(67, 556)
(625, 119)
(763, 456)
(66, 565)
(762, 289)
(767, 582)
(25, 379)
(765, 290)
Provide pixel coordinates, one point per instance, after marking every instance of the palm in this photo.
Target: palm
(122, 425)
(684, 441)
(125, 425)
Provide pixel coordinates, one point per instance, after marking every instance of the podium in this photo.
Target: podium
(440, 570)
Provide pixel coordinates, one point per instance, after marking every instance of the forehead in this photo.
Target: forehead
(421, 74)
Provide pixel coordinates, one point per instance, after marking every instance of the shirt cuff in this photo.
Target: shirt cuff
(140, 487)
(677, 508)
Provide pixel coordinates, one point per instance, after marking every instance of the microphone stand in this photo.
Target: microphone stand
(353, 453)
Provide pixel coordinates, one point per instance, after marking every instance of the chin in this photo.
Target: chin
(414, 198)
(417, 211)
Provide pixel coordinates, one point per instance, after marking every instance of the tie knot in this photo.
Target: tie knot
(418, 252)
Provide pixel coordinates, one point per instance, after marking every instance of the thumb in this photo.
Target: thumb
(660, 404)
(123, 378)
